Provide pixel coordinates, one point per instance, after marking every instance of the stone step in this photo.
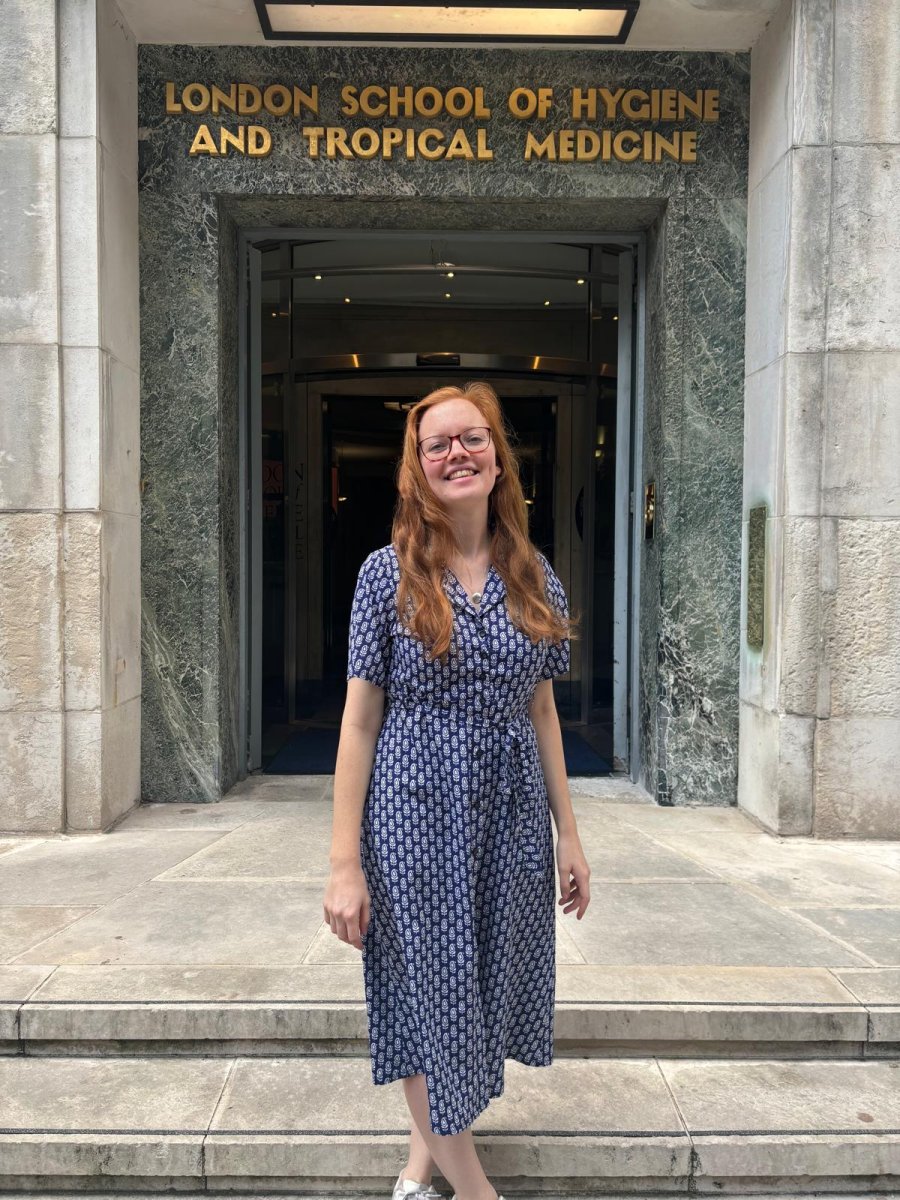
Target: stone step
(320, 1009)
(318, 1126)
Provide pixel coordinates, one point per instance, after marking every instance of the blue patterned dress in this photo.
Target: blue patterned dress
(456, 846)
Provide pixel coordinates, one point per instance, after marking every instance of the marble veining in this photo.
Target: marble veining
(191, 210)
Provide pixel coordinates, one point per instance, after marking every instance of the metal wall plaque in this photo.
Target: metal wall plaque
(756, 578)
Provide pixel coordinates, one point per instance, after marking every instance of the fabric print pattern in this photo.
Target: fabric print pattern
(456, 846)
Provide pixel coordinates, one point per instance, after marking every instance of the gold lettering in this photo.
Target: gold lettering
(313, 134)
(460, 146)
(639, 111)
(619, 151)
(373, 101)
(277, 99)
(249, 99)
(711, 105)
(687, 105)
(238, 141)
(195, 98)
(172, 105)
(336, 142)
(545, 149)
(584, 105)
(481, 111)
(689, 145)
(666, 145)
(429, 102)
(401, 102)
(483, 152)
(588, 145)
(365, 143)
(611, 101)
(521, 103)
(203, 142)
(459, 102)
(427, 151)
(350, 105)
(259, 141)
(222, 99)
(391, 137)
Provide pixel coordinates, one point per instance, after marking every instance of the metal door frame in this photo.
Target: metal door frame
(629, 474)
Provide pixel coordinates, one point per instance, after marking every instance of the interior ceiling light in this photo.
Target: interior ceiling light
(588, 23)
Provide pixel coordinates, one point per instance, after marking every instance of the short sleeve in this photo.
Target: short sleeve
(369, 640)
(557, 661)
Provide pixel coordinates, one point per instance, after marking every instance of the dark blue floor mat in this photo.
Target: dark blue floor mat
(314, 752)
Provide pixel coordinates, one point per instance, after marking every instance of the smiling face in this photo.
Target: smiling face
(463, 477)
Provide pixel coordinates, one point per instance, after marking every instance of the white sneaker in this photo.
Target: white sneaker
(409, 1189)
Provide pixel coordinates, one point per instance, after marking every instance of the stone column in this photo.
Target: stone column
(69, 453)
(820, 697)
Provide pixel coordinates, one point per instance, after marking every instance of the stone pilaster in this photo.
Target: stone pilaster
(820, 700)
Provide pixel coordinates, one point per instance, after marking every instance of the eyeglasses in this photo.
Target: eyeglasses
(474, 440)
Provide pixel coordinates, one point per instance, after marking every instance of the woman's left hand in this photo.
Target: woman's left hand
(574, 874)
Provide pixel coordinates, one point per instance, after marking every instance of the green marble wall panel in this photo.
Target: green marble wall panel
(191, 211)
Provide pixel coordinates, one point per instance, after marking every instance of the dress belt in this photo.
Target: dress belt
(517, 782)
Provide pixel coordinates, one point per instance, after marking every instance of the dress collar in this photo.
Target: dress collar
(494, 591)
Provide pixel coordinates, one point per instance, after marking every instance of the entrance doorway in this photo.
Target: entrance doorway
(346, 334)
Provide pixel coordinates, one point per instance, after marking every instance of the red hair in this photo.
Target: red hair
(423, 538)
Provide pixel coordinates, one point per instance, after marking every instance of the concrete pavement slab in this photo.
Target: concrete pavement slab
(273, 1109)
(183, 1005)
(874, 932)
(326, 947)
(885, 853)
(790, 871)
(16, 983)
(262, 784)
(616, 789)
(799, 1119)
(619, 852)
(785, 1097)
(222, 815)
(230, 923)
(700, 924)
(96, 1116)
(879, 990)
(718, 985)
(24, 926)
(288, 846)
(198, 984)
(93, 868)
(658, 819)
(566, 948)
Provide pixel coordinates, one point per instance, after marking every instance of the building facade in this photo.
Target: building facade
(230, 263)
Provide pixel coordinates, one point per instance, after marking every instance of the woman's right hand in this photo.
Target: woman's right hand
(346, 903)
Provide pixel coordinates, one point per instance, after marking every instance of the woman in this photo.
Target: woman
(442, 847)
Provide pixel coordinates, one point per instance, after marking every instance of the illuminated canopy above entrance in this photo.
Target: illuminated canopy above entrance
(590, 22)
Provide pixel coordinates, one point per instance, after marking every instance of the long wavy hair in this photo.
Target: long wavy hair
(423, 538)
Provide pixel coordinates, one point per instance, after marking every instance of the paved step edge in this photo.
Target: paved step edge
(60, 1020)
(632, 1163)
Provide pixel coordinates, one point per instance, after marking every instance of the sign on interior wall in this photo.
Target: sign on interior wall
(595, 135)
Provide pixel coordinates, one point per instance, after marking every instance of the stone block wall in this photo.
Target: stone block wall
(820, 702)
(70, 677)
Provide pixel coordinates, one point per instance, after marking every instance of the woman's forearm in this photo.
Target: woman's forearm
(553, 761)
(352, 774)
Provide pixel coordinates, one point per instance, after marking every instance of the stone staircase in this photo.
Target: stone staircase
(155, 1079)
(134, 1063)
